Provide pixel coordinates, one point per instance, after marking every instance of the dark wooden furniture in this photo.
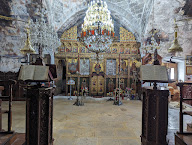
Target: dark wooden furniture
(12, 139)
(39, 116)
(154, 116)
(9, 137)
(17, 88)
(181, 137)
(9, 85)
(187, 93)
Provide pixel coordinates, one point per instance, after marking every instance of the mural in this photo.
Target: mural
(114, 50)
(133, 68)
(124, 67)
(188, 70)
(134, 51)
(82, 50)
(123, 83)
(111, 67)
(108, 51)
(121, 50)
(72, 66)
(148, 59)
(111, 82)
(159, 35)
(127, 51)
(125, 35)
(68, 49)
(84, 66)
(84, 82)
(98, 67)
(75, 49)
(71, 34)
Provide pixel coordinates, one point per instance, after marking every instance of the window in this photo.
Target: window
(172, 73)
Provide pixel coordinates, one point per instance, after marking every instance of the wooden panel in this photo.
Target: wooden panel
(39, 116)
(97, 85)
(181, 139)
(187, 93)
(17, 88)
(154, 117)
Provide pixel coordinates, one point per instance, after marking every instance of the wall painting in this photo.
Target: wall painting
(84, 66)
(111, 67)
(72, 66)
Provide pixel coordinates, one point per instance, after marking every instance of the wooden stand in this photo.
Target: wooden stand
(154, 117)
(7, 84)
(181, 137)
(9, 137)
(39, 116)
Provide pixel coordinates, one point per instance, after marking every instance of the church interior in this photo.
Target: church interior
(95, 72)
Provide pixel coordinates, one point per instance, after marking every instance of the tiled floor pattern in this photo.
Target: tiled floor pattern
(99, 123)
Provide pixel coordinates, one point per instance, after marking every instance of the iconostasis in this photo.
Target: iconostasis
(100, 77)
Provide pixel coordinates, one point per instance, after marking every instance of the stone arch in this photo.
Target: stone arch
(124, 17)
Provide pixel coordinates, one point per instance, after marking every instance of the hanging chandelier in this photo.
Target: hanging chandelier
(153, 45)
(43, 35)
(150, 47)
(98, 27)
(175, 48)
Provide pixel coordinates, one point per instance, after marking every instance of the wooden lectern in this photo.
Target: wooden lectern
(39, 116)
(39, 105)
(155, 106)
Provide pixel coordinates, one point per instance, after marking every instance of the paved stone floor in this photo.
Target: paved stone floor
(96, 123)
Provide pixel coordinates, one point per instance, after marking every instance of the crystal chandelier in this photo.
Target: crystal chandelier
(98, 27)
(43, 35)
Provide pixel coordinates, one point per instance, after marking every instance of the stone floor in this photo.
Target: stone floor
(96, 123)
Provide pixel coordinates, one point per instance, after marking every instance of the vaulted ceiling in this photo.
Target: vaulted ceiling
(134, 15)
(131, 14)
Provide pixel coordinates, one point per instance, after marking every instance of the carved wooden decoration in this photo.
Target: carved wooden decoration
(39, 116)
(128, 48)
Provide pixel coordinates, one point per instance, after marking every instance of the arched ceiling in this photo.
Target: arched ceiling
(134, 15)
(131, 14)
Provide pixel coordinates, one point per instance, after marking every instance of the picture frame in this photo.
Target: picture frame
(189, 60)
(188, 70)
